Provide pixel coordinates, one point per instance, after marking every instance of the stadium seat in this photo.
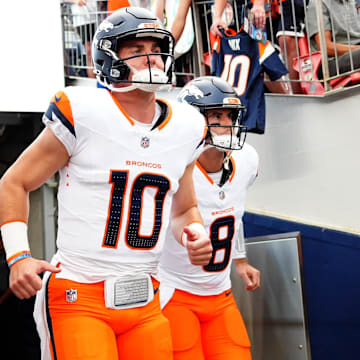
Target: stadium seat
(308, 67)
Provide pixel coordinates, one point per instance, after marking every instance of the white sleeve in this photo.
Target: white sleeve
(239, 248)
(59, 119)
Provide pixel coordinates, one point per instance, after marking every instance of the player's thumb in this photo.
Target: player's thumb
(247, 281)
(189, 233)
(195, 230)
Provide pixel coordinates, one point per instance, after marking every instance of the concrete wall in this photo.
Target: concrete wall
(309, 167)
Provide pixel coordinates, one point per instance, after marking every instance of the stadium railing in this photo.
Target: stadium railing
(196, 62)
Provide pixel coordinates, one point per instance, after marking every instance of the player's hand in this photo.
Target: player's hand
(24, 276)
(248, 273)
(216, 25)
(259, 16)
(198, 246)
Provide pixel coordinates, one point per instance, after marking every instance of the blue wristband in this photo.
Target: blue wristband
(21, 256)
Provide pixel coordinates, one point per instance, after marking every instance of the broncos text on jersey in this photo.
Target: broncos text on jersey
(116, 191)
(222, 209)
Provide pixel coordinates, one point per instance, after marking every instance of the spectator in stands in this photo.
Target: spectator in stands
(178, 25)
(257, 10)
(342, 34)
(177, 21)
(84, 16)
(288, 23)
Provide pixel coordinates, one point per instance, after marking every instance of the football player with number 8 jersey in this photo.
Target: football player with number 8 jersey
(125, 161)
(197, 300)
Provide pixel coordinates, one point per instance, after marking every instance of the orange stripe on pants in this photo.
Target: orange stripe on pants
(86, 329)
(207, 327)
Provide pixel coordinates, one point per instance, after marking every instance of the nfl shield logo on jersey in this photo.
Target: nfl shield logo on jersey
(71, 295)
(145, 142)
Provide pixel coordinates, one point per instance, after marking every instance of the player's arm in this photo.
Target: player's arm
(186, 221)
(35, 165)
(180, 19)
(249, 274)
(341, 49)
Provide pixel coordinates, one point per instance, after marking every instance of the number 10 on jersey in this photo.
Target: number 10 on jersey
(133, 238)
(236, 72)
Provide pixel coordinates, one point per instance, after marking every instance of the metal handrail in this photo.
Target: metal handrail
(190, 65)
(324, 57)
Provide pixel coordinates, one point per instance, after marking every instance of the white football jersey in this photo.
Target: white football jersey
(115, 193)
(222, 209)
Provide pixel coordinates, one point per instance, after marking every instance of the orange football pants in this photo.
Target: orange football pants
(85, 329)
(207, 327)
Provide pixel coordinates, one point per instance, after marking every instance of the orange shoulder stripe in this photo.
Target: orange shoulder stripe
(204, 172)
(262, 48)
(63, 104)
(122, 109)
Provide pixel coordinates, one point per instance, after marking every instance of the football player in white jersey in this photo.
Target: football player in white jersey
(197, 300)
(125, 160)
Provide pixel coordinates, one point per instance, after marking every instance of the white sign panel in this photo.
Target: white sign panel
(31, 60)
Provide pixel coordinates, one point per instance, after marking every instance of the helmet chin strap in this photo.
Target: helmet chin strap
(226, 160)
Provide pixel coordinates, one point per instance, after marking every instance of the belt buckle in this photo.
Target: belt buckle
(128, 291)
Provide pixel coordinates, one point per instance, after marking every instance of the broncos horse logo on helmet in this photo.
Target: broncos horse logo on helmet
(211, 92)
(125, 24)
(190, 90)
